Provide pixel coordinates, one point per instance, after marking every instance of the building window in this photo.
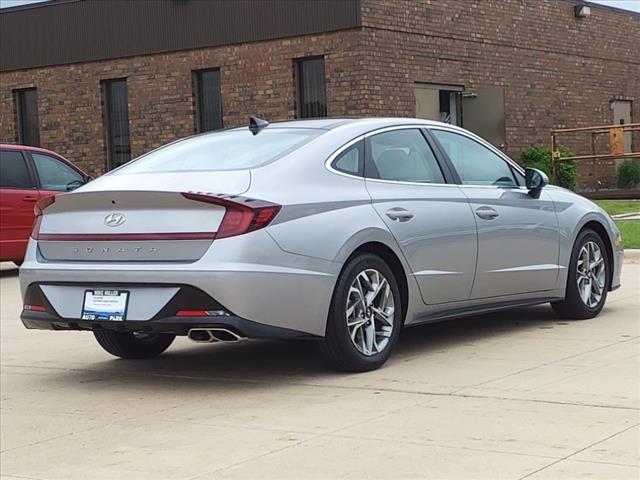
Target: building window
(116, 115)
(27, 110)
(208, 100)
(312, 95)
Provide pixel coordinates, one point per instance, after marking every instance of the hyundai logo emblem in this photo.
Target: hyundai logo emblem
(114, 219)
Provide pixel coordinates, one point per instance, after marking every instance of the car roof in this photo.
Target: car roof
(332, 123)
(27, 148)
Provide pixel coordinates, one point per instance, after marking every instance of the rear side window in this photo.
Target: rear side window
(350, 160)
(404, 156)
(13, 170)
(230, 150)
(55, 174)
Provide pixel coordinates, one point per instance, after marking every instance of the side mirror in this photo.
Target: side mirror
(535, 181)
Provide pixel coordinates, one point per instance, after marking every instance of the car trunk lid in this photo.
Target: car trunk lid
(137, 218)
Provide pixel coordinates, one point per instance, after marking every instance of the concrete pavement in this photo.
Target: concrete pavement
(514, 395)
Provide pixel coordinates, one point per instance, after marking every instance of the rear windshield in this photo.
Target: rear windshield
(228, 150)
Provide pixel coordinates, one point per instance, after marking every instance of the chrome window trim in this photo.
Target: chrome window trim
(379, 180)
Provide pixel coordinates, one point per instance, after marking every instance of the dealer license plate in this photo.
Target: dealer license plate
(110, 305)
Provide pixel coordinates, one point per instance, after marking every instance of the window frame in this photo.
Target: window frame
(197, 98)
(299, 79)
(18, 96)
(36, 175)
(106, 94)
(511, 164)
(35, 181)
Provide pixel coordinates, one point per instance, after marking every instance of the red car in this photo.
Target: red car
(28, 174)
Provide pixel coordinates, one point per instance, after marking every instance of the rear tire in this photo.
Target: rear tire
(584, 301)
(361, 333)
(133, 346)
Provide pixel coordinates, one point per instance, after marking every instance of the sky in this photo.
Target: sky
(633, 5)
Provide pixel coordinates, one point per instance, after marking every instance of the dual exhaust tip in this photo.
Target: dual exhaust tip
(211, 335)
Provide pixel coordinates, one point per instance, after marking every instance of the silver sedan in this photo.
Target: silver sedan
(339, 230)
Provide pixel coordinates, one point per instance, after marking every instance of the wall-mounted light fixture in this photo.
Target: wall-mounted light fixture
(582, 11)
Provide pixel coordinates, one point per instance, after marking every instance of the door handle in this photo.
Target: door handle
(486, 213)
(399, 214)
(29, 198)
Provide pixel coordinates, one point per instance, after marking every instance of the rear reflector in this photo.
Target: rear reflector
(35, 308)
(202, 313)
(240, 216)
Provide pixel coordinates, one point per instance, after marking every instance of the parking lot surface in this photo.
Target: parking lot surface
(519, 394)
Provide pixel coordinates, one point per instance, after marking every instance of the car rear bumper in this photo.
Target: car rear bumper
(174, 325)
(165, 321)
(250, 275)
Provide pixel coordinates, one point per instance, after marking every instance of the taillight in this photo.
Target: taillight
(38, 210)
(43, 203)
(240, 216)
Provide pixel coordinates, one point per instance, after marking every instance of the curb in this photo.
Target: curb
(627, 216)
(631, 255)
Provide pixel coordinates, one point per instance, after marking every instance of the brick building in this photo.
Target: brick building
(102, 81)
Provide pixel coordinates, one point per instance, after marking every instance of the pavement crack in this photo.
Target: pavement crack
(579, 451)
(626, 340)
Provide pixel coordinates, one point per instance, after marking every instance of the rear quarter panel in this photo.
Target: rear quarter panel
(325, 215)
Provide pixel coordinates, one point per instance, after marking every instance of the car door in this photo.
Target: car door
(518, 235)
(18, 195)
(55, 175)
(430, 219)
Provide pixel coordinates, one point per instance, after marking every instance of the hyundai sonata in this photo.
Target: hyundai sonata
(340, 230)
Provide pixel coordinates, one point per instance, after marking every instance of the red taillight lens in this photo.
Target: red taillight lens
(35, 308)
(43, 203)
(240, 217)
(38, 210)
(191, 313)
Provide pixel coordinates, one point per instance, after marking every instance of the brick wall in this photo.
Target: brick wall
(556, 71)
(255, 79)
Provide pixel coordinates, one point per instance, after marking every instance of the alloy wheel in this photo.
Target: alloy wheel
(370, 312)
(591, 274)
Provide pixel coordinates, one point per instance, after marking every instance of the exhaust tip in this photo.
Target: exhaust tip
(210, 335)
(200, 335)
(224, 335)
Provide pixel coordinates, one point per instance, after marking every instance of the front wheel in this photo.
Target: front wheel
(133, 345)
(587, 279)
(365, 315)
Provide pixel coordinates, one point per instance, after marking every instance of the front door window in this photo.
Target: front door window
(475, 163)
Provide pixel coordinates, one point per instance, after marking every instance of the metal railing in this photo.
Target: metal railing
(616, 145)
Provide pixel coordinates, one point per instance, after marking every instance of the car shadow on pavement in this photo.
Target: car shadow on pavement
(261, 364)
